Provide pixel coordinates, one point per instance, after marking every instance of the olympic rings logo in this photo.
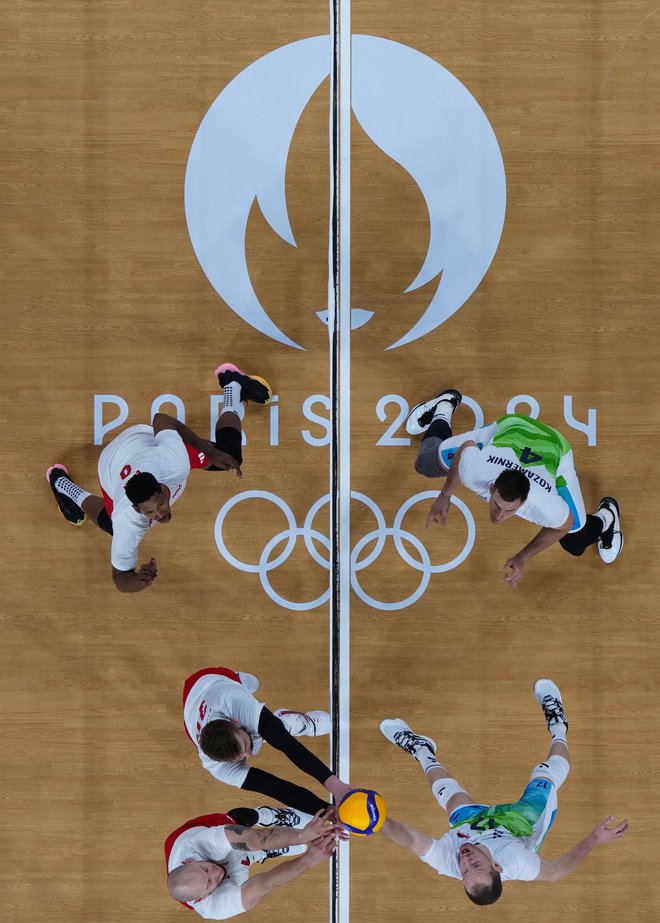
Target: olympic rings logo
(269, 561)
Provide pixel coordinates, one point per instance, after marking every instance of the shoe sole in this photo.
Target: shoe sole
(52, 468)
(413, 428)
(230, 367)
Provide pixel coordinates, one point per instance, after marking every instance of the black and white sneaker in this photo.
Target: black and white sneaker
(265, 854)
(610, 541)
(253, 388)
(549, 698)
(397, 731)
(278, 817)
(70, 510)
(420, 417)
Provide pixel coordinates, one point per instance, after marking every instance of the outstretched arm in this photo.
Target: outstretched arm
(262, 884)
(220, 459)
(440, 508)
(406, 836)
(553, 871)
(251, 839)
(273, 731)
(295, 796)
(513, 567)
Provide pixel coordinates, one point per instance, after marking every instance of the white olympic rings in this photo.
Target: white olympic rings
(290, 535)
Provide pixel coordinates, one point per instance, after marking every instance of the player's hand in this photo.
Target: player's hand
(322, 848)
(513, 571)
(438, 512)
(605, 834)
(148, 573)
(322, 823)
(224, 461)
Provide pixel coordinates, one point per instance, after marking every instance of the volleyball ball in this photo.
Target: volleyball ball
(362, 811)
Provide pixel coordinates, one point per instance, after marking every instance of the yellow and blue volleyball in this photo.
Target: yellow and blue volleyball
(362, 811)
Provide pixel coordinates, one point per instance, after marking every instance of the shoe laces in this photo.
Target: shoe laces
(274, 853)
(553, 711)
(285, 817)
(409, 741)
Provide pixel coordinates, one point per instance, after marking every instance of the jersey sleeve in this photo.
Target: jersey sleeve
(439, 857)
(172, 453)
(471, 471)
(521, 863)
(126, 537)
(550, 513)
(229, 773)
(222, 903)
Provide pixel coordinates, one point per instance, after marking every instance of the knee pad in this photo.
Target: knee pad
(555, 768)
(427, 462)
(444, 789)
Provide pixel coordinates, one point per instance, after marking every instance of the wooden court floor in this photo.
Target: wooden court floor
(103, 295)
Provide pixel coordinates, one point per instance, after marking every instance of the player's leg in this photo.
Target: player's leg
(446, 790)
(603, 526)
(547, 777)
(433, 419)
(74, 502)
(304, 723)
(237, 387)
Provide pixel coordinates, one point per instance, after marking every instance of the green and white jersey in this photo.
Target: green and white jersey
(519, 443)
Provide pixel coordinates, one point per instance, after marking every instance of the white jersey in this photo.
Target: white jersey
(213, 697)
(133, 451)
(515, 854)
(517, 443)
(211, 843)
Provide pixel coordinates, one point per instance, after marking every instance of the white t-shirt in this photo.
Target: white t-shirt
(135, 450)
(214, 697)
(204, 843)
(515, 854)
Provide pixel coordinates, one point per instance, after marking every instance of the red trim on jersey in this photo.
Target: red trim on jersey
(108, 503)
(206, 820)
(198, 459)
(210, 671)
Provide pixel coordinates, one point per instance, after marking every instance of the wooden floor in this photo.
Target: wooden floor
(103, 295)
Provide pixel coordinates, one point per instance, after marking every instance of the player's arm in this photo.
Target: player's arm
(132, 581)
(163, 421)
(251, 839)
(406, 836)
(440, 508)
(274, 732)
(553, 871)
(262, 884)
(513, 567)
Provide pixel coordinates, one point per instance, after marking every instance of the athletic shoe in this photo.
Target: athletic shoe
(279, 817)
(307, 724)
(253, 388)
(276, 853)
(398, 732)
(548, 696)
(70, 510)
(610, 541)
(420, 417)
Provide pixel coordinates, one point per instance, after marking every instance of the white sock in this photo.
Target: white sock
(606, 516)
(426, 759)
(443, 411)
(558, 732)
(65, 485)
(232, 396)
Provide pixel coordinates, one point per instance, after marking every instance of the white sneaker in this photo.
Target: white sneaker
(249, 682)
(397, 731)
(421, 416)
(263, 854)
(305, 724)
(610, 541)
(281, 817)
(549, 698)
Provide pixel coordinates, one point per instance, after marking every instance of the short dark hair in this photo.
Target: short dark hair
(487, 894)
(141, 487)
(218, 740)
(512, 485)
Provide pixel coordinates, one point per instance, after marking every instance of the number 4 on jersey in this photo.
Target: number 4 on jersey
(527, 457)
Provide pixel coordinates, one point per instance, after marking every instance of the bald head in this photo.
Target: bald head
(193, 880)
